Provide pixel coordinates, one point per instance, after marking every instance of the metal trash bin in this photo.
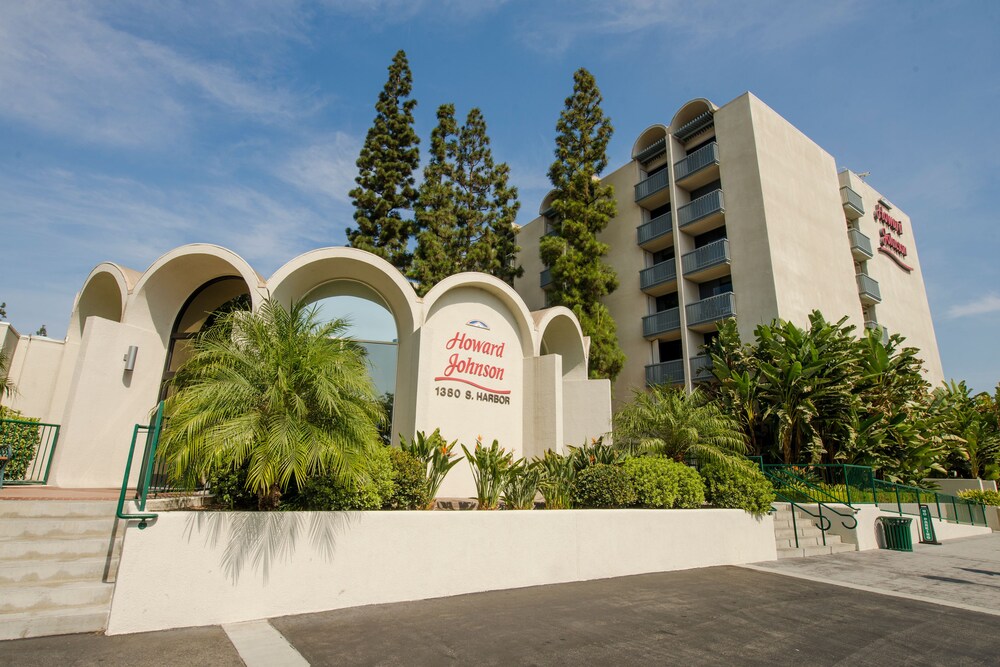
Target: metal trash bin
(897, 533)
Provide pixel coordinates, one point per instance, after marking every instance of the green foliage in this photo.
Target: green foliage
(385, 182)
(521, 486)
(663, 483)
(385, 428)
(23, 440)
(490, 469)
(583, 207)
(277, 391)
(436, 453)
(558, 477)
(369, 492)
(970, 425)
(466, 209)
(669, 422)
(604, 486)
(596, 452)
(7, 387)
(409, 486)
(738, 487)
(982, 496)
(229, 488)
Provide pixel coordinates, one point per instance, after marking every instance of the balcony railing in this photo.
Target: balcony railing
(854, 206)
(653, 151)
(701, 368)
(875, 326)
(666, 372)
(701, 207)
(658, 226)
(651, 185)
(549, 213)
(545, 278)
(700, 159)
(868, 287)
(661, 322)
(694, 126)
(716, 252)
(658, 273)
(860, 244)
(711, 309)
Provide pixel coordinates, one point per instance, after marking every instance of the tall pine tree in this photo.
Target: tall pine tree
(466, 208)
(386, 164)
(583, 206)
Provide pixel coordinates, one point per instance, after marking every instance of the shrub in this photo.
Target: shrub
(23, 440)
(738, 486)
(229, 487)
(603, 485)
(521, 486)
(409, 486)
(369, 493)
(660, 482)
(558, 476)
(490, 468)
(988, 497)
(437, 455)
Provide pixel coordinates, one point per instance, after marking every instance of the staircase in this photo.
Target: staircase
(810, 536)
(57, 565)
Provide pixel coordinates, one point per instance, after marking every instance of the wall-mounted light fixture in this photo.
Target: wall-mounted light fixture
(129, 358)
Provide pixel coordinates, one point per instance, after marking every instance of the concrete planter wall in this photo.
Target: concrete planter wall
(198, 568)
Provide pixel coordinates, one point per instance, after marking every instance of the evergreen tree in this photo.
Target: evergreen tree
(466, 209)
(583, 206)
(385, 172)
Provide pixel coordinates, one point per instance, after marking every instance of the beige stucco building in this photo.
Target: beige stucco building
(733, 212)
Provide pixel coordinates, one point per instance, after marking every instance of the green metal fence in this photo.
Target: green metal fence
(837, 482)
(904, 499)
(28, 446)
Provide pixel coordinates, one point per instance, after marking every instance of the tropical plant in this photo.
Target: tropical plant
(409, 482)
(521, 486)
(583, 206)
(558, 476)
(228, 487)
(373, 491)
(437, 455)
(681, 426)
(490, 469)
(7, 387)
(385, 183)
(740, 486)
(276, 390)
(596, 452)
(970, 424)
(604, 486)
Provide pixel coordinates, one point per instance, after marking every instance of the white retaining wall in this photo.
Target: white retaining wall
(201, 568)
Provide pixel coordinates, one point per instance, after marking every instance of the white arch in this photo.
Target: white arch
(559, 333)
(104, 294)
(647, 137)
(691, 110)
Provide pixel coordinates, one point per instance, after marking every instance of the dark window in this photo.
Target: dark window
(666, 302)
(653, 172)
(663, 255)
(701, 145)
(716, 287)
(670, 350)
(710, 237)
(661, 210)
(705, 189)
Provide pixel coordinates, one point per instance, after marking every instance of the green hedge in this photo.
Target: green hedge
(325, 493)
(978, 496)
(738, 486)
(23, 440)
(603, 486)
(409, 484)
(663, 483)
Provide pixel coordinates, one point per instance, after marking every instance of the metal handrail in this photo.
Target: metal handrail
(954, 501)
(146, 472)
(824, 522)
(48, 438)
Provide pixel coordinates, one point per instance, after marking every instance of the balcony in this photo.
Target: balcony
(653, 191)
(854, 206)
(659, 278)
(707, 262)
(664, 325)
(545, 279)
(702, 315)
(861, 245)
(695, 126)
(702, 214)
(868, 289)
(699, 168)
(875, 326)
(656, 234)
(667, 372)
(701, 368)
(654, 150)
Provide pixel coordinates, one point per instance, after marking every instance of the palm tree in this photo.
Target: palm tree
(7, 387)
(671, 423)
(278, 392)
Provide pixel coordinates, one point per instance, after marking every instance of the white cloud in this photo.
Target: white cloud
(327, 166)
(65, 69)
(988, 303)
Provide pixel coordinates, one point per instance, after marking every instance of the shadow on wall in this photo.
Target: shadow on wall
(259, 540)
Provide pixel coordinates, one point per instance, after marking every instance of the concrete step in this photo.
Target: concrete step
(65, 548)
(815, 550)
(54, 527)
(50, 570)
(54, 622)
(804, 541)
(808, 530)
(41, 597)
(56, 508)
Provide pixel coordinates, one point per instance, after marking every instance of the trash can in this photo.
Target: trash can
(897, 533)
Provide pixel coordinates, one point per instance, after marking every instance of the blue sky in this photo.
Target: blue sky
(128, 128)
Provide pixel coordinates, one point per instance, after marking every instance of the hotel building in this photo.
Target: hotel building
(733, 212)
